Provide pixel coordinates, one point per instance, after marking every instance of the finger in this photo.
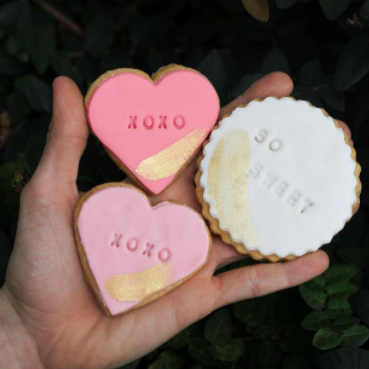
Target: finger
(274, 84)
(223, 254)
(345, 128)
(262, 279)
(67, 136)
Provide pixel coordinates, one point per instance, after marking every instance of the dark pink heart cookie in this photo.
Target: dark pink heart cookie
(152, 127)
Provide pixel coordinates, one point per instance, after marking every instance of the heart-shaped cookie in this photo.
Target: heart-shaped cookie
(152, 127)
(133, 252)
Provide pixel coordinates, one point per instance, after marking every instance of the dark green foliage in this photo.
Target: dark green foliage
(344, 358)
(334, 8)
(322, 44)
(38, 94)
(33, 153)
(326, 339)
(333, 316)
(355, 336)
(275, 61)
(353, 63)
(316, 320)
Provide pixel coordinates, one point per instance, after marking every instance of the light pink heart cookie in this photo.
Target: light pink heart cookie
(133, 252)
(152, 127)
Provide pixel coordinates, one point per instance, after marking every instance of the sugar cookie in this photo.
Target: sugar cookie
(133, 252)
(152, 127)
(278, 179)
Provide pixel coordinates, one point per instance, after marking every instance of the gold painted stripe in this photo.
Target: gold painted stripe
(138, 286)
(228, 185)
(170, 160)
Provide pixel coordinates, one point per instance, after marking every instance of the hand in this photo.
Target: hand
(47, 310)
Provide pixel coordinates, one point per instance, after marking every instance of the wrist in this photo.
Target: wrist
(17, 347)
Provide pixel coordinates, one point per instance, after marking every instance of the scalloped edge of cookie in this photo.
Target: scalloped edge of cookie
(87, 272)
(154, 78)
(224, 235)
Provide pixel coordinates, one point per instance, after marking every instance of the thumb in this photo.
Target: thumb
(67, 136)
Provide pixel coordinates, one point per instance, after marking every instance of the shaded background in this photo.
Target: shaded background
(323, 45)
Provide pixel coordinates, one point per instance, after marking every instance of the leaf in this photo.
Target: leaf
(345, 358)
(344, 322)
(284, 4)
(33, 152)
(218, 327)
(9, 13)
(258, 9)
(339, 273)
(316, 320)
(360, 305)
(334, 99)
(40, 61)
(60, 62)
(168, 360)
(317, 283)
(326, 339)
(99, 36)
(199, 350)
(314, 298)
(10, 66)
(264, 331)
(38, 94)
(42, 44)
(269, 355)
(7, 171)
(179, 340)
(364, 10)
(228, 350)
(311, 73)
(213, 68)
(342, 290)
(11, 46)
(353, 63)
(302, 92)
(334, 8)
(275, 61)
(338, 308)
(253, 312)
(4, 243)
(296, 362)
(244, 84)
(355, 336)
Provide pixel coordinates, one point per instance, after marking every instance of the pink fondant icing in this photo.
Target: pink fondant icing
(123, 214)
(180, 96)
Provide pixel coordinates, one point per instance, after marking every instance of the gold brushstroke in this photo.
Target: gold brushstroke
(228, 184)
(138, 286)
(170, 160)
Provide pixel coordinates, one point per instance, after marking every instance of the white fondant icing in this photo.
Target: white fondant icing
(301, 181)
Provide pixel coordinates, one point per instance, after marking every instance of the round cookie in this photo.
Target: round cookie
(152, 127)
(133, 252)
(278, 179)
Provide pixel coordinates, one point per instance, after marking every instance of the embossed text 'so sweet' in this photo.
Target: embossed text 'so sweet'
(152, 126)
(133, 252)
(278, 179)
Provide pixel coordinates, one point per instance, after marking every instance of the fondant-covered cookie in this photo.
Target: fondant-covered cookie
(152, 126)
(133, 252)
(278, 179)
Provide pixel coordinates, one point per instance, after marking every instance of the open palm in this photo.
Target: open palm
(45, 293)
